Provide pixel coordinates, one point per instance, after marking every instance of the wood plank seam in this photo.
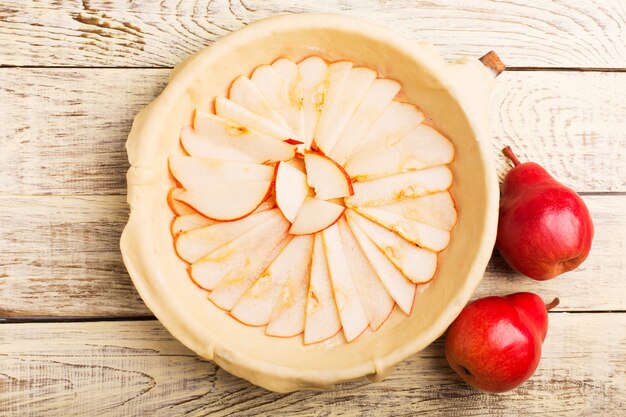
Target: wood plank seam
(106, 319)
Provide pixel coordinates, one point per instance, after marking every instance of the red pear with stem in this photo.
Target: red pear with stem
(544, 227)
(495, 343)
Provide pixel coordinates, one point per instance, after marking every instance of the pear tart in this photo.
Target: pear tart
(312, 201)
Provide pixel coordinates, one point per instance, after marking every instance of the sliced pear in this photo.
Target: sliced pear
(340, 107)
(394, 123)
(228, 201)
(322, 319)
(196, 220)
(397, 120)
(247, 93)
(268, 204)
(231, 269)
(189, 222)
(246, 250)
(436, 209)
(256, 306)
(278, 92)
(423, 147)
(230, 110)
(378, 97)
(297, 163)
(179, 208)
(315, 215)
(326, 131)
(195, 173)
(417, 264)
(194, 244)
(421, 234)
(352, 314)
(288, 316)
(221, 190)
(290, 72)
(229, 290)
(326, 177)
(313, 71)
(399, 287)
(290, 189)
(401, 186)
(376, 301)
(214, 137)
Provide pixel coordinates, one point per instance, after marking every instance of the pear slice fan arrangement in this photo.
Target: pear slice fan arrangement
(312, 201)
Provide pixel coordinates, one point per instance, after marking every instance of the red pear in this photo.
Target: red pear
(544, 228)
(495, 343)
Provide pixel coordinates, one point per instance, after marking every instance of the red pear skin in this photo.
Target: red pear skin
(495, 343)
(544, 227)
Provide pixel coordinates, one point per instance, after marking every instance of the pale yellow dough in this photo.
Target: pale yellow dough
(455, 96)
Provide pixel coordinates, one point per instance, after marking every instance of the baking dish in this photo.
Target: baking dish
(454, 95)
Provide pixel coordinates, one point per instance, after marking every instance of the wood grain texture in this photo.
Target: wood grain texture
(564, 33)
(65, 129)
(62, 207)
(570, 123)
(136, 368)
(61, 257)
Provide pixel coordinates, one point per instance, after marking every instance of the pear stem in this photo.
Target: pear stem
(553, 304)
(508, 152)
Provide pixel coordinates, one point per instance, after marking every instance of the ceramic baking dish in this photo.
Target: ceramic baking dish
(455, 95)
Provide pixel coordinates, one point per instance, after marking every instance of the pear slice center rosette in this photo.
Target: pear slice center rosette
(312, 200)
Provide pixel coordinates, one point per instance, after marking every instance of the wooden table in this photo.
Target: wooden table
(75, 337)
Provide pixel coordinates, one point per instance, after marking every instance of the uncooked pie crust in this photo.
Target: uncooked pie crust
(454, 95)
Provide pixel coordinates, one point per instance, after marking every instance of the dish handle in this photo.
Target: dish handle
(492, 61)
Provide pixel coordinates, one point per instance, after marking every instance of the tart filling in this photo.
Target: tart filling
(311, 201)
